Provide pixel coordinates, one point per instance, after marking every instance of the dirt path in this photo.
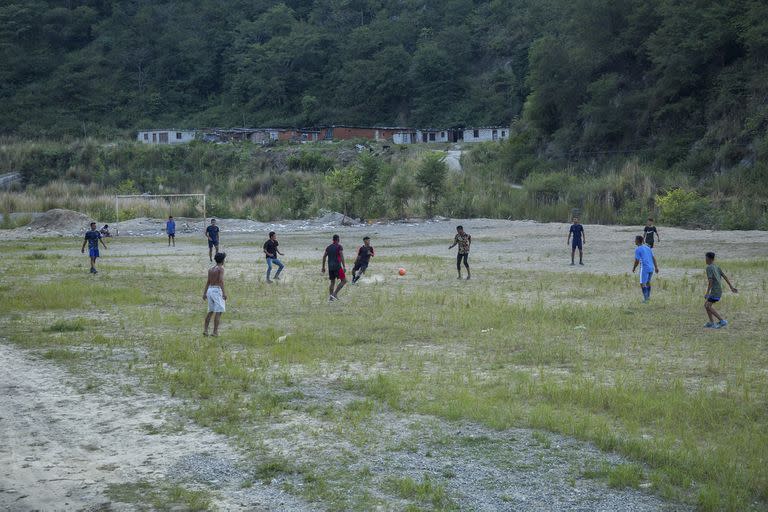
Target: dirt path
(61, 448)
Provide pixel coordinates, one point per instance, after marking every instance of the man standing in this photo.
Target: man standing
(647, 261)
(334, 253)
(170, 230)
(212, 234)
(579, 239)
(648, 231)
(715, 292)
(215, 295)
(92, 238)
(364, 255)
(463, 240)
(271, 251)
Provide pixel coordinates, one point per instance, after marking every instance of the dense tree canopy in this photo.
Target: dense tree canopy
(586, 76)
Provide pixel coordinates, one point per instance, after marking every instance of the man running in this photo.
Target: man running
(334, 253)
(463, 240)
(579, 239)
(212, 234)
(364, 255)
(715, 292)
(271, 252)
(648, 231)
(170, 230)
(215, 295)
(92, 238)
(647, 261)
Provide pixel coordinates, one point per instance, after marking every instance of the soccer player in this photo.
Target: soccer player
(215, 295)
(463, 240)
(648, 231)
(579, 239)
(212, 234)
(647, 261)
(170, 230)
(334, 253)
(364, 255)
(715, 292)
(92, 238)
(271, 251)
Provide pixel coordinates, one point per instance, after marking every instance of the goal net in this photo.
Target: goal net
(160, 206)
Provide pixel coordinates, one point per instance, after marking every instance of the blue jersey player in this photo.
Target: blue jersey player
(579, 239)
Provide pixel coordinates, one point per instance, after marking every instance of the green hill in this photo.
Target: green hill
(686, 81)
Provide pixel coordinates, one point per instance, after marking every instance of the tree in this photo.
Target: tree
(431, 177)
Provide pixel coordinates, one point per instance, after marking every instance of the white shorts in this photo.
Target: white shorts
(216, 300)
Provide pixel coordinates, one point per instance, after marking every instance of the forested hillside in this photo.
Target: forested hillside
(686, 81)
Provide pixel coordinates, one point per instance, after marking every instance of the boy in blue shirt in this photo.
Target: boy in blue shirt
(715, 292)
(92, 238)
(647, 261)
(579, 239)
(212, 234)
(170, 230)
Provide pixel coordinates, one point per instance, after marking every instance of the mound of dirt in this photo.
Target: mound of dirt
(60, 220)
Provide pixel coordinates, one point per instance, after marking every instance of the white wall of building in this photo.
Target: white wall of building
(165, 136)
(485, 134)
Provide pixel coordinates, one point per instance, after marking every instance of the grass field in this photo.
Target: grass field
(561, 350)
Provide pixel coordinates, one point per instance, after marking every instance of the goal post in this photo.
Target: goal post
(118, 197)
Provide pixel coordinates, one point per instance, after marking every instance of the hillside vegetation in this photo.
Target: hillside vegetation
(688, 79)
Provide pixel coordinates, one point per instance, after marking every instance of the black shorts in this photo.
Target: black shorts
(360, 266)
(212, 244)
(171, 235)
(338, 273)
(462, 257)
(650, 243)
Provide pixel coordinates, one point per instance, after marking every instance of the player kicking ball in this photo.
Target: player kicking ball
(334, 253)
(364, 255)
(648, 266)
(715, 292)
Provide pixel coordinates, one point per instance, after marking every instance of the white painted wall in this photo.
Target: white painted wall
(486, 134)
(146, 136)
(402, 138)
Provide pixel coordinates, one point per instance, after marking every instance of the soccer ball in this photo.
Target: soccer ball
(401, 271)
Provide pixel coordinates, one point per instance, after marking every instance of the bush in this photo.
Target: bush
(680, 207)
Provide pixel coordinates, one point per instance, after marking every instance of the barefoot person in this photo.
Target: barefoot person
(215, 295)
(212, 234)
(463, 240)
(271, 251)
(579, 239)
(334, 253)
(170, 230)
(647, 261)
(92, 238)
(649, 231)
(715, 292)
(364, 255)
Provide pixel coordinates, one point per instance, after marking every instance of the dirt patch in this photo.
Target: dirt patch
(58, 220)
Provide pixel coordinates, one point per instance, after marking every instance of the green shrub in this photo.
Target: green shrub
(683, 208)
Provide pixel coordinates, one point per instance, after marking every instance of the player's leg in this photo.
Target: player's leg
(280, 267)
(714, 312)
(573, 253)
(356, 273)
(331, 287)
(466, 264)
(269, 269)
(458, 264)
(216, 320)
(581, 254)
(207, 322)
(341, 284)
(210, 251)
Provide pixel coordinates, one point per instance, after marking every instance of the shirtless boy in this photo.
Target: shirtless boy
(214, 294)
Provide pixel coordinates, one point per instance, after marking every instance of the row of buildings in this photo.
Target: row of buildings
(396, 135)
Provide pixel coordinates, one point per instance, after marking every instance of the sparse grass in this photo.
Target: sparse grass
(163, 496)
(561, 352)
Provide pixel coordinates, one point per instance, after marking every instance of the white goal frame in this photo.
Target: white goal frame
(148, 196)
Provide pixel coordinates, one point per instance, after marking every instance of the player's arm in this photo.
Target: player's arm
(370, 252)
(583, 235)
(455, 241)
(207, 284)
(709, 286)
(85, 241)
(658, 236)
(569, 236)
(221, 280)
(341, 258)
(656, 265)
(325, 256)
(634, 267)
(734, 290)
(101, 239)
(207, 234)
